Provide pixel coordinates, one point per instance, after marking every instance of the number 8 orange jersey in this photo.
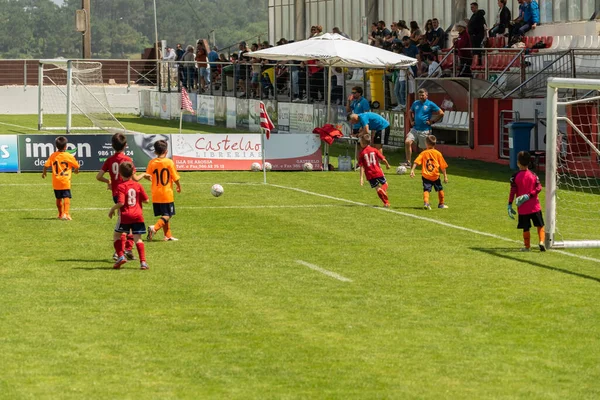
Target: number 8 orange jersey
(163, 173)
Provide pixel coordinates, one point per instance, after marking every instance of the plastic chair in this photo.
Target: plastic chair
(555, 41)
(444, 121)
(565, 42)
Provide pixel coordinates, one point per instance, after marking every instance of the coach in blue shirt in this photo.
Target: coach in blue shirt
(370, 122)
(531, 17)
(357, 104)
(423, 114)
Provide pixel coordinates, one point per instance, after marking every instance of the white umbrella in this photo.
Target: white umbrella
(334, 50)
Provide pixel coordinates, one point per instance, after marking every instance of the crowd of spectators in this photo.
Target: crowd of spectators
(305, 81)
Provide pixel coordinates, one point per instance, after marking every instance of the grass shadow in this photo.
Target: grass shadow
(41, 219)
(505, 253)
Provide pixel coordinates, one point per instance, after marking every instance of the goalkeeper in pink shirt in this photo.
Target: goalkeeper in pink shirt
(524, 189)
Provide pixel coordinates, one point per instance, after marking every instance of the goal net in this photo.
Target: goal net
(572, 163)
(72, 97)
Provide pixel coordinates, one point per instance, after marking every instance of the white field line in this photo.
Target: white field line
(434, 221)
(102, 185)
(179, 208)
(18, 126)
(324, 271)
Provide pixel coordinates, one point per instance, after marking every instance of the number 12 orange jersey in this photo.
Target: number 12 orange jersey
(163, 174)
(61, 163)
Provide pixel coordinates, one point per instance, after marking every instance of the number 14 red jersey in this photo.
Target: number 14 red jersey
(369, 159)
(131, 194)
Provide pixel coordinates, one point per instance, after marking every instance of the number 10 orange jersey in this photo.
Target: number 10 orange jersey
(163, 174)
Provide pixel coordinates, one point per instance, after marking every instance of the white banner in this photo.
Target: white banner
(231, 113)
(283, 125)
(206, 110)
(239, 151)
(301, 118)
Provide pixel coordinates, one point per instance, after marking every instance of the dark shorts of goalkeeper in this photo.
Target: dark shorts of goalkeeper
(526, 220)
(428, 184)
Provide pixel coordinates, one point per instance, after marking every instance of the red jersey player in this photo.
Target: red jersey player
(368, 160)
(111, 165)
(130, 196)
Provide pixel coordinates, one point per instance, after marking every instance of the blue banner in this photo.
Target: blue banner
(9, 154)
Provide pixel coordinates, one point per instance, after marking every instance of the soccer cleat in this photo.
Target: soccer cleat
(122, 260)
(67, 217)
(426, 206)
(170, 239)
(143, 265)
(129, 255)
(60, 216)
(442, 206)
(115, 257)
(542, 246)
(525, 249)
(387, 205)
(151, 233)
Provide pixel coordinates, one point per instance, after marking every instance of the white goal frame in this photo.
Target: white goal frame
(552, 118)
(69, 100)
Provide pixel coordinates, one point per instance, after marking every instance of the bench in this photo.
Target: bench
(454, 127)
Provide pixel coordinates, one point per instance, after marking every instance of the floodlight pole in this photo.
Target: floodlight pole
(87, 33)
(156, 46)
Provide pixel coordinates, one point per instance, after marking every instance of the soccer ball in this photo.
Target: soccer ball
(216, 190)
(307, 167)
(255, 167)
(268, 166)
(401, 170)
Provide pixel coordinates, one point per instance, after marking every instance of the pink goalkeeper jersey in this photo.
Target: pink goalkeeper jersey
(526, 182)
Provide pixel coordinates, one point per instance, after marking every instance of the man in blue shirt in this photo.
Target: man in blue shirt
(357, 104)
(373, 124)
(531, 17)
(423, 114)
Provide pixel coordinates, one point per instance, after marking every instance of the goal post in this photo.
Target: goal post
(572, 163)
(72, 97)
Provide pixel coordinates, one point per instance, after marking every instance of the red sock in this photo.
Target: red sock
(382, 195)
(141, 250)
(129, 242)
(385, 187)
(118, 246)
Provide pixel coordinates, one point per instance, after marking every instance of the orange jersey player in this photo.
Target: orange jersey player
(432, 162)
(162, 173)
(61, 164)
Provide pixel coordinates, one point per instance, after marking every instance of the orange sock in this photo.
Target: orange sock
(67, 205)
(159, 224)
(59, 205)
(441, 196)
(167, 230)
(527, 238)
(541, 234)
(426, 197)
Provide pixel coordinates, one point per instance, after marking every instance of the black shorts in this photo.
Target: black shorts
(525, 220)
(116, 199)
(62, 194)
(427, 185)
(137, 228)
(377, 181)
(380, 138)
(163, 209)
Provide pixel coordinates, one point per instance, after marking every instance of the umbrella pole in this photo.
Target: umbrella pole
(326, 166)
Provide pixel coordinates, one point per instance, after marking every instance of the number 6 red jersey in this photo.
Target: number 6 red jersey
(131, 194)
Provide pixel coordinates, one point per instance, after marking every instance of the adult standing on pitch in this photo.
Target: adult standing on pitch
(423, 114)
(373, 124)
(357, 104)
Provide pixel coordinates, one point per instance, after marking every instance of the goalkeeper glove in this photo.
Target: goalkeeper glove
(511, 212)
(521, 199)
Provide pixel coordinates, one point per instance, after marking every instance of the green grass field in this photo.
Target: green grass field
(301, 288)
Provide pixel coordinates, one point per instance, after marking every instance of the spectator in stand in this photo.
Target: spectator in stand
(189, 69)
(169, 68)
(256, 72)
(241, 48)
(381, 26)
(436, 38)
(243, 64)
(316, 80)
(375, 34)
(404, 31)
(201, 63)
(428, 28)
(462, 43)
(531, 17)
(402, 76)
(415, 32)
(318, 30)
(179, 52)
(410, 50)
(213, 57)
(339, 32)
(517, 23)
(425, 56)
(502, 19)
(476, 27)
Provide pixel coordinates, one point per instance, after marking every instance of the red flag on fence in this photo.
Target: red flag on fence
(186, 103)
(265, 121)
